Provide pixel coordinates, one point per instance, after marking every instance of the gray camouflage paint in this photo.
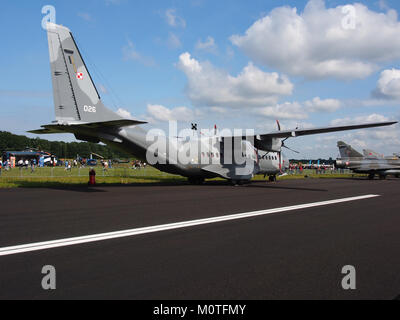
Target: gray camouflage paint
(370, 164)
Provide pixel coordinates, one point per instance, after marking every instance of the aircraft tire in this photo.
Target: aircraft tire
(195, 181)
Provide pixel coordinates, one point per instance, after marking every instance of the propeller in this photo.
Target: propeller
(280, 152)
(283, 146)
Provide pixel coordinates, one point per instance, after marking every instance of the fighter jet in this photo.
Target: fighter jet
(80, 111)
(371, 163)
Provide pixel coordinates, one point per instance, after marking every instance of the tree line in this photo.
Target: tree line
(63, 150)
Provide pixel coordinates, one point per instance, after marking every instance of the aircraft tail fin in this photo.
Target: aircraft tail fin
(346, 151)
(75, 95)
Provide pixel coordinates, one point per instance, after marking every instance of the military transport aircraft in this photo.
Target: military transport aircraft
(80, 111)
(370, 163)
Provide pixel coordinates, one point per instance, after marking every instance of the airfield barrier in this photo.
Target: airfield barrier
(120, 172)
(57, 172)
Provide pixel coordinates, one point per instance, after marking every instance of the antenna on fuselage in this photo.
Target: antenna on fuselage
(194, 128)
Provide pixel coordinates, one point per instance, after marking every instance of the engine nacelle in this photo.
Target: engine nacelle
(269, 144)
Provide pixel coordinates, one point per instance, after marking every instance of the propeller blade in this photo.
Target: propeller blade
(279, 125)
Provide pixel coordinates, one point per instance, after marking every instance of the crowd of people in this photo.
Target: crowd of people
(298, 168)
(137, 165)
(67, 164)
(21, 164)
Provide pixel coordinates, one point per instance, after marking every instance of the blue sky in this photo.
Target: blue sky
(237, 64)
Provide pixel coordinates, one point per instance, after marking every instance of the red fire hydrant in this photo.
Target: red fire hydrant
(92, 177)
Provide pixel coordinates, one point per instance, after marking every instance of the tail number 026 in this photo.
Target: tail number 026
(89, 109)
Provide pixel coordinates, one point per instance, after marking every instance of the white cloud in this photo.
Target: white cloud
(374, 137)
(158, 113)
(207, 45)
(161, 113)
(173, 19)
(315, 43)
(124, 113)
(130, 53)
(318, 105)
(388, 86)
(296, 110)
(209, 86)
(287, 110)
(359, 120)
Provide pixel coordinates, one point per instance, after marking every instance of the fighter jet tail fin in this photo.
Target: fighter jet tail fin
(346, 151)
(75, 95)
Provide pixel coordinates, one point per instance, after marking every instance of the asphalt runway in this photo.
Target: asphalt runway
(292, 254)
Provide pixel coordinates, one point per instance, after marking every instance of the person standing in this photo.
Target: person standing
(33, 165)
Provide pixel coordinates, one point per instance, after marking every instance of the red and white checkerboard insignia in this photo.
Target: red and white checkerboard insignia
(79, 75)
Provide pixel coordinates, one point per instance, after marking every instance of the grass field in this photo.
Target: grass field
(121, 175)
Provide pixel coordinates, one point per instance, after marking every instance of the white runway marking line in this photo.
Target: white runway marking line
(165, 227)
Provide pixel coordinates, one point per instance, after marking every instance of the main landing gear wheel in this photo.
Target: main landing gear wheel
(196, 181)
(272, 178)
(371, 176)
(237, 182)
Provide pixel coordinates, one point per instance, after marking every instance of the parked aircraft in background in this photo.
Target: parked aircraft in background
(370, 163)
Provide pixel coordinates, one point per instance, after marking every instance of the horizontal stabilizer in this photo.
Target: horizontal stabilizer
(111, 124)
(46, 131)
(62, 128)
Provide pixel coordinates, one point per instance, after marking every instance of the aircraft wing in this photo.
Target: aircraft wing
(306, 132)
(273, 141)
